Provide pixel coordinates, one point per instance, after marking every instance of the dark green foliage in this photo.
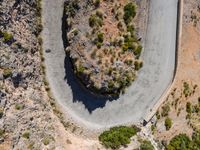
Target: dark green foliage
(196, 140)
(129, 12)
(188, 107)
(146, 145)
(168, 123)
(180, 142)
(186, 90)
(137, 51)
(117, 136)
(71, 8)
(97, 3)
(99, 40)
(183, 142)
(100, 37)
(138, 65)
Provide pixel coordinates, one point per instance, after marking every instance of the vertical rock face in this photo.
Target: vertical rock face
(103, 45)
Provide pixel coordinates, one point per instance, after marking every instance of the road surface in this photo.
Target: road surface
(153, 79)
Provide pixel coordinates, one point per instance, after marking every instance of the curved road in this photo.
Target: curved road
(152, 81)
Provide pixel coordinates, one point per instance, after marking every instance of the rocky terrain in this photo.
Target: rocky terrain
(103, 45)
(27, 120)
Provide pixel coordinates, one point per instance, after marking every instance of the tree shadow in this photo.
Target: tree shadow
(79, 91)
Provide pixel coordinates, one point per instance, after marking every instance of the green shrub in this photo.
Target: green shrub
(18, 106)
(196, 140)
(2, 132)
(189, 107)
(165, 110)
(97, 3)
(117, 136)
(1, 113)
(138, 65)
(95, 21)
(7, 36)
(137, 51)
(129, 12)
(26, 135)
(146, 145)
(168, 123)
(186, 90)
(7, 72)
(46, 140)
(183, 142)
(100, 37)
(180, 142)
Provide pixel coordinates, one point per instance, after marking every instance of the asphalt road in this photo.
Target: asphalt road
(153, 79)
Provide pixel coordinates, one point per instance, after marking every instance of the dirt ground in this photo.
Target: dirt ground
(188, 70)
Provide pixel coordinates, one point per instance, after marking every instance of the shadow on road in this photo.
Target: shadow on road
(80, 93)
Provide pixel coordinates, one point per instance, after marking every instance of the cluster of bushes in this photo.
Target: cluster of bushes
(96, 20)
(183, 142)
(129, 12)
(71, 7)
(117, 136)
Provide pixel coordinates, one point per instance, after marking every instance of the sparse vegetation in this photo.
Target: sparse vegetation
(117, 136)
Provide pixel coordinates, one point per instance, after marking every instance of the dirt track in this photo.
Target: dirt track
(152, 81)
